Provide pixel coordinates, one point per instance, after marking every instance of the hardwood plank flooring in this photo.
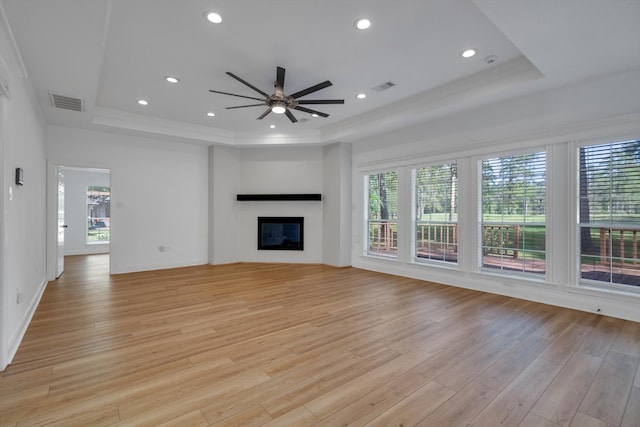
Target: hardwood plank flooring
(311, 345)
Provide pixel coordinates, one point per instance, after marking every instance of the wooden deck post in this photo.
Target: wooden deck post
(603, 246)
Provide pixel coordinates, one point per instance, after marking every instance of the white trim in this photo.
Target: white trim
(4, 288)
(7, 38)
(510, 287)
(5, 78)
(560, 286)
(52, 213)
(176, 264)
(23, 325)
(51, 221)
(623, 126)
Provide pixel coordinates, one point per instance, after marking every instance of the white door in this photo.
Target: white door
(61, 225)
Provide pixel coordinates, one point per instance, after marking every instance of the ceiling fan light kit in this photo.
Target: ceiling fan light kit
(278, 108)
(278, 102)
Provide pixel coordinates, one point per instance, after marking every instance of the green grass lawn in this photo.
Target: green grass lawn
(98, 236)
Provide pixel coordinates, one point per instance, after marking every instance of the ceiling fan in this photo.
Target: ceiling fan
(279, 103)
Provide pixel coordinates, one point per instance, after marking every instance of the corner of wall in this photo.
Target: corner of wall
(337, 204)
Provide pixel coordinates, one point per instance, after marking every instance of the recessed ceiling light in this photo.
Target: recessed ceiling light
(172, 79)
(361, 95)
(468, 53)
(214, 17)
(143, 102)
(362, 24)
(272, 126)
(315, 115)
(211, 114)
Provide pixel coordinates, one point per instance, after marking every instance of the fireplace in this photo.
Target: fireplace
(277, 233)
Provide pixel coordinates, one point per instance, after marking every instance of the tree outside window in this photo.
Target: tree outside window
(382, 217)
(436, 203)
(513, 225)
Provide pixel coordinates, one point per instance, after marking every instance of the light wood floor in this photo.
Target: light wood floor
(293, 345)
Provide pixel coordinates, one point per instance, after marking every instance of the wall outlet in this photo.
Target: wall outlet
(18, 297)
(164, 248)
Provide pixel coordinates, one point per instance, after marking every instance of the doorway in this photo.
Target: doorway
(80, 221)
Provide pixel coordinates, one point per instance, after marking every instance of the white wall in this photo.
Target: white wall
(76, 181)
(280, 170)
(601, 110)
(265, 170)
(224, 180)
(337, 204)
(23, 239)
(584, 109)
(159, 191)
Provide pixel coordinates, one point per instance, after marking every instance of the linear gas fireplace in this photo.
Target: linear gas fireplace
(277, 233)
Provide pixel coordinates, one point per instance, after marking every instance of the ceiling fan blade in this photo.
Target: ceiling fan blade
(280, 77)
(321, 101)
(310, 111)
(311, 89)
(248, 84)
(244, 106)
(291, 116)
(263, 115)
(233, 94)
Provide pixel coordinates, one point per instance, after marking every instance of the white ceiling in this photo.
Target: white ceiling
(110, 53)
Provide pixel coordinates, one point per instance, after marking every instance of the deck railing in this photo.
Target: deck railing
(501, 239)
(497, 239)
(383, 236)
(627, 238)
(442, 237)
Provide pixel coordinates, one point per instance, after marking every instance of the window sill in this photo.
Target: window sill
(380, 257)
(436, 264)
(98, 242)
(518, 278)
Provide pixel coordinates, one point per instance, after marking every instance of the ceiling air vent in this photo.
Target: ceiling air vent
(66, 102)
(383, 86)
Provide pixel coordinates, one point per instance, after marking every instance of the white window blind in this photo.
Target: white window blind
(609, 213)
(436, 204)
(513, 214)
(382, 213)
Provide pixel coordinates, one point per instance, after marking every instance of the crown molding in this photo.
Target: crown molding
(508, 80)
(11, 64)
(157, 126)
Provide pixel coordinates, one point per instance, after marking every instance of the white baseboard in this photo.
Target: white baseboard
(16, 339)
(561, 295)
(123, 269)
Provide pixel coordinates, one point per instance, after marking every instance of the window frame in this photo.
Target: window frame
(106, 241)
(366, 231)
(479, 242)
(414, 194)
(585, 283)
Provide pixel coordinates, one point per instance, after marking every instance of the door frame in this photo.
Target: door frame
(52, 213)
(4, 287)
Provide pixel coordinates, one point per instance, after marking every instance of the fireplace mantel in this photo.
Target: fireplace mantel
(278, 197)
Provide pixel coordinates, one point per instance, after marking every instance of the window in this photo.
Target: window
(382, 213)
(98, 214)
(609, 213)
(513, 214)
(436, 214)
